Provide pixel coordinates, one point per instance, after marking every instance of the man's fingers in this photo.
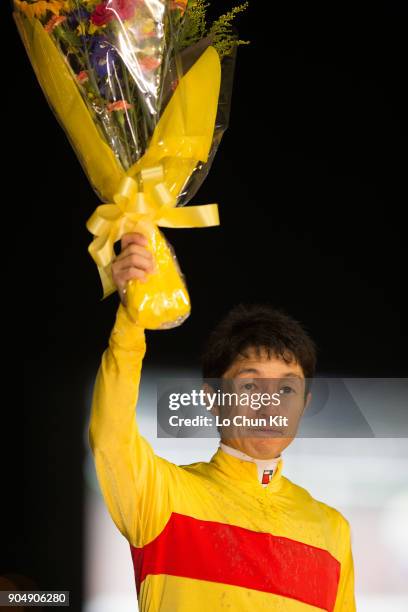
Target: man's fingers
(131, 273)
(135, 261)
(133, 238)
(127, 275)
(134, 249)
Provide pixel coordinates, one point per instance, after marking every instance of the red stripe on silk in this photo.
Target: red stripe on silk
(218, 552)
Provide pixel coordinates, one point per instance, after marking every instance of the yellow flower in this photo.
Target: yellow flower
(81, 29)
(69, 5)
(147, 25)
(90, 4)
(38, 9)
(94, 28)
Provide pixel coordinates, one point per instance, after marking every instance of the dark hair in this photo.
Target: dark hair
(260, 326)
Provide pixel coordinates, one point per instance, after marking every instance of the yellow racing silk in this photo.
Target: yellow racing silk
(209, 536)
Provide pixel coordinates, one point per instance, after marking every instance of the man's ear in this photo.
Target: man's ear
(209, 389)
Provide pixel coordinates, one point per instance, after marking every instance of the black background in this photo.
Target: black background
(311, 184)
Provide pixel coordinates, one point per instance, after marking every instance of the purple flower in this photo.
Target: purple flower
(103, 56)
(105, 62)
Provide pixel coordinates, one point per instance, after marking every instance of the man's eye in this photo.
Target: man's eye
(286, 390)
(248, 386)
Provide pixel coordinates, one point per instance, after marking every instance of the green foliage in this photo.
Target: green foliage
(195, 27)
(221, 33)
(194, 24)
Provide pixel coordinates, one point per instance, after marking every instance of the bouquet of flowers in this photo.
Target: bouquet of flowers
(142, 89)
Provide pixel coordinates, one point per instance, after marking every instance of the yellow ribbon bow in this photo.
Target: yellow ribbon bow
(154, 203)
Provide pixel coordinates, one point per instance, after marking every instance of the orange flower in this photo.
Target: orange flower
(53, 23)
(149, 63)
(181, 5)
(118, 106)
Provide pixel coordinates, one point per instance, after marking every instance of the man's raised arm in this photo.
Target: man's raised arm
(132, 478)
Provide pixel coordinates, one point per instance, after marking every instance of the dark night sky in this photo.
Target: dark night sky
(311, 184)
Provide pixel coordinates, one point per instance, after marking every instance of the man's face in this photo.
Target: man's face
(285, 382)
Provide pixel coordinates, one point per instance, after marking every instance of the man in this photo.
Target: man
(234, 533)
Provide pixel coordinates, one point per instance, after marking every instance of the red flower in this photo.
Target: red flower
(124, 8)
(82, 76)
(113, 9)
(101, 15)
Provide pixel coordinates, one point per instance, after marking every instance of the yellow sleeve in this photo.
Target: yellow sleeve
(134, 481)
(345, 601)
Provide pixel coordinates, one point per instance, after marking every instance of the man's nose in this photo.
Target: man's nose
(269, 408)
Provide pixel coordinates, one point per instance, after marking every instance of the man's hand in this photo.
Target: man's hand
(134, 261)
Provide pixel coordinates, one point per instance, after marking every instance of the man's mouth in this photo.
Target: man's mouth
(268, 431)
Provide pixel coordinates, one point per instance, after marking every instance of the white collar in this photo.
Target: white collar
(266, 467)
